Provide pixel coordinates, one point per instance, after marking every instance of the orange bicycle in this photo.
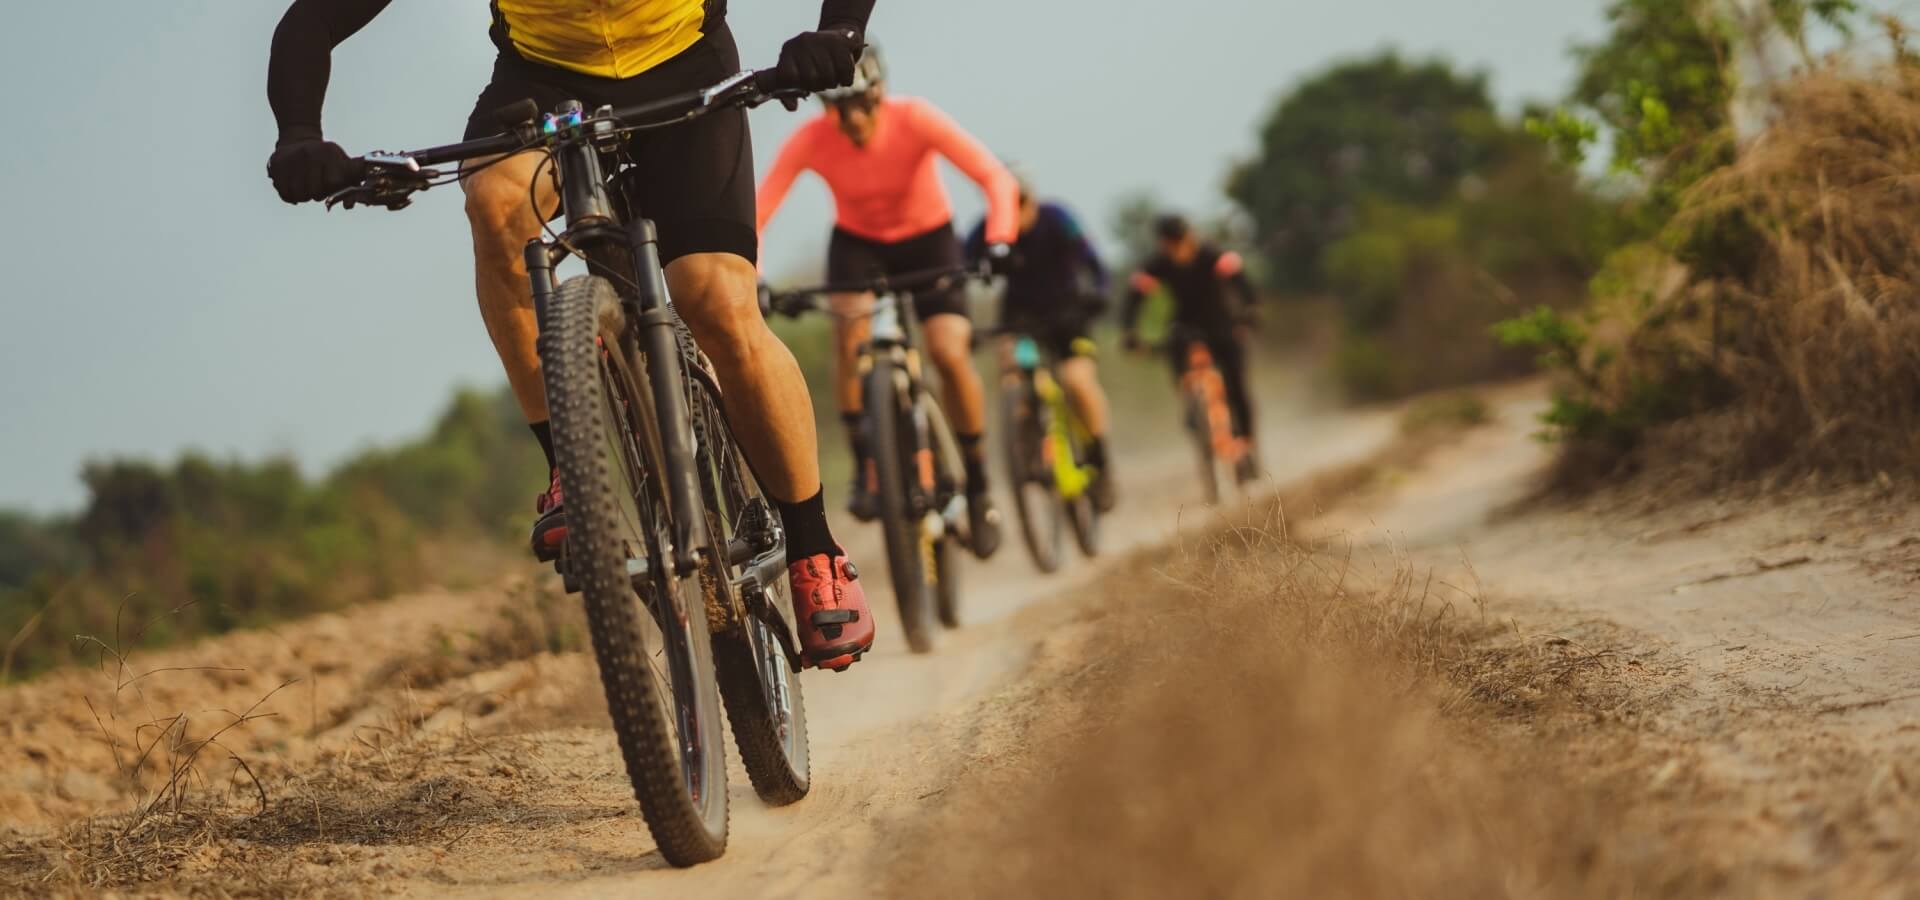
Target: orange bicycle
(1223, 455)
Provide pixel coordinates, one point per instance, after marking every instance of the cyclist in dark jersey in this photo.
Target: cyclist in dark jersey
(697, 186)
(1055, 287)
(1213, 301)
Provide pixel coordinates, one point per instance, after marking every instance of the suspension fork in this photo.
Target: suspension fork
(540, 276)
(666, 377)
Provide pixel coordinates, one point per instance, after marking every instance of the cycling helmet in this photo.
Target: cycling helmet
(1171, 227)
(870, 70)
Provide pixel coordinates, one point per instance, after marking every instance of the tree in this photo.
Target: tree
(1379, 129)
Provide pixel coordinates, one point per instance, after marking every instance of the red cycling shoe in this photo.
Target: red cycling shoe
(830, 608)
(550, 529)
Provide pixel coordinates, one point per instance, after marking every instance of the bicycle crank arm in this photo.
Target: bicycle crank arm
(759, 608)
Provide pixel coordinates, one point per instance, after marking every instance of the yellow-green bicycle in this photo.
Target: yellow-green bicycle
(1045, 445)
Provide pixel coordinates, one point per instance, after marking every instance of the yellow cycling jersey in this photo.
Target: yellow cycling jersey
(602, 38)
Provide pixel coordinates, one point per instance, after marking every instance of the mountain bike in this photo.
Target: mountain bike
(672, 541)
(920, 478)
(1223, 456)
(1045, 445)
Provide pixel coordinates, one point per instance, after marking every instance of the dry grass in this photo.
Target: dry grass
(1820, 337)
(1263, 718)
(209, 799)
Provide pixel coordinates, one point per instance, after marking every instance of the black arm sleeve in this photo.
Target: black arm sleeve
(846, 13)
(302, 59)
(1137, 294)
(1247, 309)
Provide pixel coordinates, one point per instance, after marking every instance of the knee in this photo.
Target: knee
(950, 354)
(719, 301)
(501, 215)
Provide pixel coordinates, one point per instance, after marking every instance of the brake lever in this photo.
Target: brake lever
(389, 181)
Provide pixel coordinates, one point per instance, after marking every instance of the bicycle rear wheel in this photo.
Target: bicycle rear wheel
(896, 460)
(1035, 501)
(649, 628)
(1200, 430)
(759, 684)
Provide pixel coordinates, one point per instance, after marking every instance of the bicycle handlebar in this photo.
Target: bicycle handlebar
(391, 177)
(793, 303)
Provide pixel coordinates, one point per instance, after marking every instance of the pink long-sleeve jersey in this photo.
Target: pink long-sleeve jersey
(888, 191)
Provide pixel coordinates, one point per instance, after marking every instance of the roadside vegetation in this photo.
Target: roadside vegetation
(1394, 191)
(1758, 318)
(166, 552)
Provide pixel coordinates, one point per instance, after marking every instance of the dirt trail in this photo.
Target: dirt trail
(434, 744)
(1762, 652)
(1504, 699)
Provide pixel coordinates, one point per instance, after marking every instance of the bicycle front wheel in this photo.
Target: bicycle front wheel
(1080, 512)
(897, 463)
(1023, 439)
(1200, 430)
(649, 628)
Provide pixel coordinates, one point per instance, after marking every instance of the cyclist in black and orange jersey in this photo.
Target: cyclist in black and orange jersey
(1213, 302)
(698, 190)
(1055, 287)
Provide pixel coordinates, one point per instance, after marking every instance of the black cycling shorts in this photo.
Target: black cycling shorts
(851, 257)
(694, 179)
(1061, 340)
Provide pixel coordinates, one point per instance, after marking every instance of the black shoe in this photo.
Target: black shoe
(1247, 470)
(1100, 491)
(983, 525)
(862, 501)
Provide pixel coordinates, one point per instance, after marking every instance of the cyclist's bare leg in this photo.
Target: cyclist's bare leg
(1081, 379)
(716, 294)
(850, 330)
(950, 345)
(503, 220)
(760, 382)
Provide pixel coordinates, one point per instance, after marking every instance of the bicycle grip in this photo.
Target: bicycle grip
(517, 113)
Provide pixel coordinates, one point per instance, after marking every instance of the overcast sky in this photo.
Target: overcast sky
(162, 298)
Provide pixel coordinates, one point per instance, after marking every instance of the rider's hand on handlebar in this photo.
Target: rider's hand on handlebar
(819, 60)
(998, 260)
(310, 168)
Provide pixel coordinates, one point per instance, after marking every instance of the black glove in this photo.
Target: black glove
(998, 259)
(819, 60)
(305, 169)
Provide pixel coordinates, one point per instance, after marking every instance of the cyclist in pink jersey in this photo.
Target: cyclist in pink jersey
(877, 155)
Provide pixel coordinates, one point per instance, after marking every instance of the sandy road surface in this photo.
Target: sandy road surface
(1761, 652)
(422, 746)
(1628, 696)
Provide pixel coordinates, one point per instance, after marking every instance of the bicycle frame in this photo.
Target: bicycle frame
(894, 334)
(629, 256)
(1202, 380)
(1070, 479)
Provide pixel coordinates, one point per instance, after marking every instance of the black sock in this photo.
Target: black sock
(974, 457)
(1097, 452)
(806, 526)
(857, 440)
(543, 432)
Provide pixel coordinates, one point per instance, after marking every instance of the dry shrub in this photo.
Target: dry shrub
(1821, 335)
(1265, 719)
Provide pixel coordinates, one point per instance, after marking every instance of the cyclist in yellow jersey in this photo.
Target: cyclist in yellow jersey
(697, 187)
